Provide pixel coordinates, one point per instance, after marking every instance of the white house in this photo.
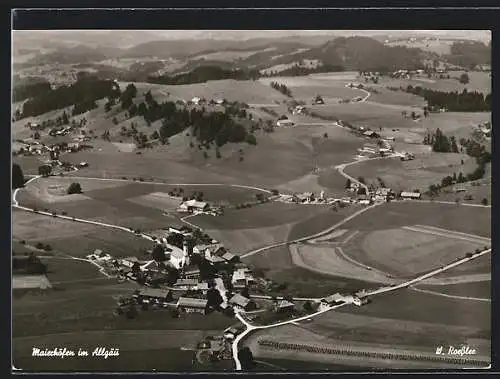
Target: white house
(99, 255)
(241, 278)
(193, 206)
(178, 257)
(410, 195)
(196, 100)
(285, 122)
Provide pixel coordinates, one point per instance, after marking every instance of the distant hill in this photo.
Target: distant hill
(74, 55)
(360, 53)
(469, 53)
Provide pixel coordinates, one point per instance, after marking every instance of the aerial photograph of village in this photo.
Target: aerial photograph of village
(263, 201)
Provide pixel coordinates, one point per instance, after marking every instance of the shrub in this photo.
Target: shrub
(74, 188)
(39, 245)
(484, 201)
(47, 247)
(22, 242)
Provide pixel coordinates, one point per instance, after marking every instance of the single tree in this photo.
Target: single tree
(44, 170)
(348, 183)
(158, 253)
(464, 78)
(484, 201)
(74, 188)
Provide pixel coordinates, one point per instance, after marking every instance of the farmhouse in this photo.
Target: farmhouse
(305, 197)
(283, 306)
(410, 195)
(177, 257)
(285, 122)
(181, 232)
(186, 284)
(193, 206)
(209, 249)
(333, 299)
(99, 255)
(192, 305)
(214, 259)
(196, 100)
(228, 257)
(241, 278)
(192, 274)
(148, 295)
(241, 302)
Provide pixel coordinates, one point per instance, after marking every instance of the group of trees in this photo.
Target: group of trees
(441, 143)
(203, 74)
(81, 94)
(74, 188)
(454, 101)
(281, 88)
(26, 91)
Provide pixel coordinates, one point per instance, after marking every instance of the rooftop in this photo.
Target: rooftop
(191, 302)
(239, 300)
(154, 292)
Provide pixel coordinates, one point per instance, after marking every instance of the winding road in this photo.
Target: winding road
(249, 327)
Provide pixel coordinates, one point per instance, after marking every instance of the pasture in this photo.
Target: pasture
(419, 173)
(74, 238)
(410, 305)
(481, 290)
(472, 220)
(478, 81)
(407, 253)
(233, 90)
(260, 216)
(356, 329)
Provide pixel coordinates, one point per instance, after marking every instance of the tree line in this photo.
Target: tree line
(281, 88)
(441, 143)
(207, 127)
(82, 95)
(298, 70)
(454, 101)
(26, 91)
(204, 74)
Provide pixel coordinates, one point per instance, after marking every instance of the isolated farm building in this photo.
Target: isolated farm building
(410, 195)
(192, 305)
(283, 306)
(334, 299)
(241, 302)
(148, 295)
(194, 206)
(27, 282)
(285, 122)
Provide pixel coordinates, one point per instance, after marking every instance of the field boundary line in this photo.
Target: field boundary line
(440, 234)
(450, 296)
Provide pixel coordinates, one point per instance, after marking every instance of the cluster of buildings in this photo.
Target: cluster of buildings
(408, 74)
(485, 129)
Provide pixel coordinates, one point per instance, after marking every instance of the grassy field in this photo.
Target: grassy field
(480, 290)
(481, 265)
(406, 253)
(73, 238)
(259, 216)
(232, 90)
(406, 304)
(479, 81)
(472, 220)
(419, 173)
